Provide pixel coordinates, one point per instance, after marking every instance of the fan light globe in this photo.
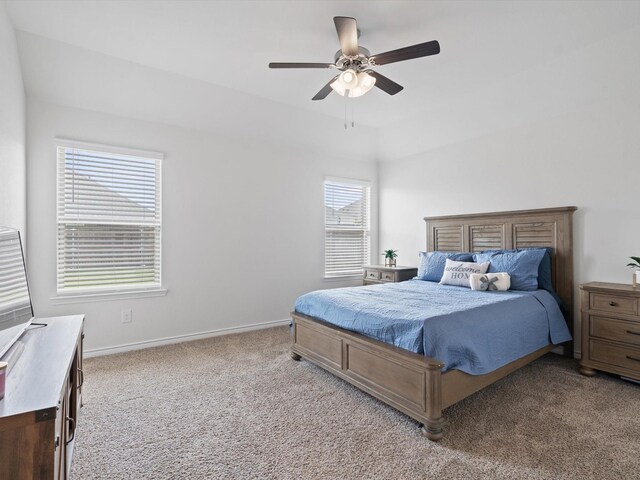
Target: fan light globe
(365, 83)
(353, 84)
(338, 87)
(349, 79)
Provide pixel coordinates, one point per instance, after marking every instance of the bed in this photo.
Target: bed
(405, 375)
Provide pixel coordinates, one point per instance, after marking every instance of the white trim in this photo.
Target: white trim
(134, 152)
(67, 299)
(127, 347)
(355, 276)
(348, 181)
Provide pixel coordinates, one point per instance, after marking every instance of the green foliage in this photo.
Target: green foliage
(390, 254)
(636, 263)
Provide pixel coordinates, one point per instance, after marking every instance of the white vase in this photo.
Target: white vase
(636, 278)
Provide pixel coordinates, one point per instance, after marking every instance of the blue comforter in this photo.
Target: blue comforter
(476, 332)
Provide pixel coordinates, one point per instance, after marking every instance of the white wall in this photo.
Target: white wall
(13, 208)
(588, 158)
(119, 87)
(564, 132)
(242, 225)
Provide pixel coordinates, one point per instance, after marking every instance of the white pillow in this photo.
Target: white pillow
(490, 281)
(457, 273)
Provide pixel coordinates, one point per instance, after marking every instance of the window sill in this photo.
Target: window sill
(71, 298)
(345, 278)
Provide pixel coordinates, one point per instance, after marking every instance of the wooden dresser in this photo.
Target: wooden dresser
(39, 413)
(380, 274)
(610, 329)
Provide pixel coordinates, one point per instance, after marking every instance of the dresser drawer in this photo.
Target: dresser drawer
(617, 330)
(616, 355)
(387, 276)
(613, 303)
(372, 274)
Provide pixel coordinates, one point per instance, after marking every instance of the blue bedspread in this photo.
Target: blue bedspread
(476, 332)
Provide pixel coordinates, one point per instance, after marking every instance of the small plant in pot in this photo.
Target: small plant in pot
(390, 257)
(636, 267)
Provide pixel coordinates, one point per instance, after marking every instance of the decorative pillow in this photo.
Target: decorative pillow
(490, 281)
(521, 265)
(431, 266)
(458, 273)
(544, 271)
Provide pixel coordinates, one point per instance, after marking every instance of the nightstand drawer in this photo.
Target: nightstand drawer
(616, 355)
(372, 274)
(387, 276)
(615, 330)
(613, 303)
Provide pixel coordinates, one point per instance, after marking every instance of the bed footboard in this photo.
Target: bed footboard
(407, 381)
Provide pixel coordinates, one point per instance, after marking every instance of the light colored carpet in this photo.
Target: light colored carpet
(239, 407)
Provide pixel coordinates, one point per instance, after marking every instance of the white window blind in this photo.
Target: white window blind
(109, 220)
(347, 229)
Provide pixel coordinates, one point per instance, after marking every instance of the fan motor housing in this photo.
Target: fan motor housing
(357, 63)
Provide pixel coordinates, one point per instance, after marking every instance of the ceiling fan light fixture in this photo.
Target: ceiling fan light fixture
(357, 84)
(353, 60)
(365, 83)
(338, 87)
(349, 79)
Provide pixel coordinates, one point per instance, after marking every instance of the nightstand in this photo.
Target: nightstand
(380, 274)
(610, 329)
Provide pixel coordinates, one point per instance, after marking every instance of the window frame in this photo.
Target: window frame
(108, 292)
(349, 182)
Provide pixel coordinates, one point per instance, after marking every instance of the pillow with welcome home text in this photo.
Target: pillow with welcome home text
(458, 273)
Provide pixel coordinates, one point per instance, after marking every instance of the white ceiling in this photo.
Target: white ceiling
(230, 43)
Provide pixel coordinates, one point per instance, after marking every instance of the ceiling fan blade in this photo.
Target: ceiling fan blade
(300, 65)
(385, 84)
(347, 34)
(326, 90)
(406, 53)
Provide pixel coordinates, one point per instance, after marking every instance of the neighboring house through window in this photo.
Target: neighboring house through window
(109, 219)
(347, 227)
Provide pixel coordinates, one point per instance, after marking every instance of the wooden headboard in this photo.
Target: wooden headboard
(547, 227)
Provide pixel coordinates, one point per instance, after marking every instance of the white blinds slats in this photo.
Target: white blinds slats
(109, 220)
(347, 229)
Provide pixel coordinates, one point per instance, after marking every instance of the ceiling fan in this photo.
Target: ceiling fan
(355, 62)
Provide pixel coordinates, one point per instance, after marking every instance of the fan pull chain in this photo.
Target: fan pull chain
(345, 109)
(353, 123)
(346, 122)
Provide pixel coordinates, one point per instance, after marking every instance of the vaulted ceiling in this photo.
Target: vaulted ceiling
(488, 47)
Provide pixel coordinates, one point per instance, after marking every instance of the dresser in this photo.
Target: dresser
(39, 413)
(610, 329)
(380, 274)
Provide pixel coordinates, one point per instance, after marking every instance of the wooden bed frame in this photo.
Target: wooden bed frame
(413, 383)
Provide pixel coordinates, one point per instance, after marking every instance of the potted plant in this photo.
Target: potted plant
(636, 266)
(390, 257)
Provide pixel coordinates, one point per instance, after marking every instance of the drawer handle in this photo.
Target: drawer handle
(613, 304)
(72, 424)
(633, 358)
(632, 332)
(81, 375)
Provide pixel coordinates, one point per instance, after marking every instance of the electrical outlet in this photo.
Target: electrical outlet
(127, 316)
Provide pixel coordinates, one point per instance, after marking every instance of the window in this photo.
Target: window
(109, 222)
(347, 212)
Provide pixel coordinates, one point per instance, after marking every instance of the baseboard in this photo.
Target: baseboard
(98, 352)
